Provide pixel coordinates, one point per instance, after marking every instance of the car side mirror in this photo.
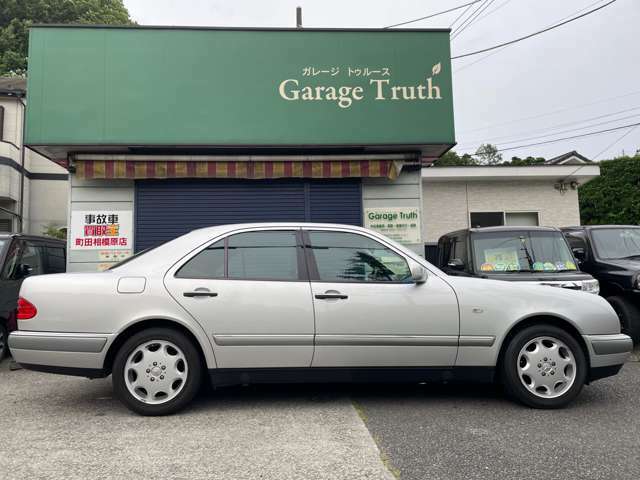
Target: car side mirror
(418, 272)
(456, 264)
(23, 270)
(579, 253)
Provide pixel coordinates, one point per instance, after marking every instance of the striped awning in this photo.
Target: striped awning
(158, 169)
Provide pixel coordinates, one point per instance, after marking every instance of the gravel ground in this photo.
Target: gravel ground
(58, 427)
(474, 432)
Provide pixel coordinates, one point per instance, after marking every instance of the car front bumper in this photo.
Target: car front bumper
(607, 353)
(66, 353)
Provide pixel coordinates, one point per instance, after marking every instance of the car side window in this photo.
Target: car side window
(209, 263)
(266, 255)
(11, 260)
(33, 255)
(56, 262)
(575, 241)
(349, 257)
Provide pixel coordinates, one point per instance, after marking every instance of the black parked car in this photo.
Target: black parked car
(21, 256)
(537, 255)
(611, 253)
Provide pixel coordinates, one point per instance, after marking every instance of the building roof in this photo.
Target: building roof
(557, 173)
(13, 86)
(569, 158)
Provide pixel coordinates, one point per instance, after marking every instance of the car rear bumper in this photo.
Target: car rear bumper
(65, 353)
(607, 353)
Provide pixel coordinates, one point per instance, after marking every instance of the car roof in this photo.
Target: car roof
(236, 226)
(502, 229)
(597, 227)
(31, 237)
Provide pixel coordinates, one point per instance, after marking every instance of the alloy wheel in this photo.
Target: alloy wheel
(546, 367)
(156, 372)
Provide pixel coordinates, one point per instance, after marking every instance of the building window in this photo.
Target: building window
(486, 219)
(5, 224)
(496, 219)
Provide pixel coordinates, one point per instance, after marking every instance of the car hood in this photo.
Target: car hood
(628, 264)
(590, 314)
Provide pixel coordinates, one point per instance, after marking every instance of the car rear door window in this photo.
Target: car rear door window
(267, 255)
(33, 255)
(56, 262)
(209, 263)
(349, 257)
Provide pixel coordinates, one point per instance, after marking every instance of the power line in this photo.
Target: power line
(473, 20)
(434, 14)
(560, 125)
(537, 137)
(494, 52)
(464, 22)
(565, 138)
(616, 141)
(516, 40)
(553, 112)
(460, 16)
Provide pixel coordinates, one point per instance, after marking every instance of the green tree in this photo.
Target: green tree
(451, 158)
(521, 162)
(614, 196)
(488, 154)
(16, 16)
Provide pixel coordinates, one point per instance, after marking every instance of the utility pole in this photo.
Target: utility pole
(298, 17)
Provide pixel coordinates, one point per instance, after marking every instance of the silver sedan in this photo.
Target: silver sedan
(283, 302)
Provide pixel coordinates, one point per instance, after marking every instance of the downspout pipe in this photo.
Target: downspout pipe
(22, 169)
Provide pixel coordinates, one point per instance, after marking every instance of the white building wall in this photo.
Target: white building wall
(96, 195)
(447, 204)
(45, 200)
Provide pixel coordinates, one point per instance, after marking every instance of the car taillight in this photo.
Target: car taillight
(26, 309)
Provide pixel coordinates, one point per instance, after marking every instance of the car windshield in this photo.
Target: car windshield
(616, 243)
(3, 244)
(522, 251)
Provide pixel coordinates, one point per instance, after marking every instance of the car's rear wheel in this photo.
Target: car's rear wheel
(544, 367)
(629, 316)
(4, 341)
(157, 372)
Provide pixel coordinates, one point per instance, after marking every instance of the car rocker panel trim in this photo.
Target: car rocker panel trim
(57, 342)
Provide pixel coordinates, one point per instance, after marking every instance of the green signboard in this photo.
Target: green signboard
(246, 87)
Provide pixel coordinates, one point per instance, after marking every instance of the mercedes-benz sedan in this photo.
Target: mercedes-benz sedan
(313, 303)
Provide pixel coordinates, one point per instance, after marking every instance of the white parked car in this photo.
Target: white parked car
(308, 302)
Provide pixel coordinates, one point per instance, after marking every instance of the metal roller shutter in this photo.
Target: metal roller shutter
(165, 209)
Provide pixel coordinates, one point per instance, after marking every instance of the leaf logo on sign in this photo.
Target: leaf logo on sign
(435, 70)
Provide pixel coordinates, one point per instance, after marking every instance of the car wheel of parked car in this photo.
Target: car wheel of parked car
(544, 367)
(157, 372)
(4, 341)
(629, 316)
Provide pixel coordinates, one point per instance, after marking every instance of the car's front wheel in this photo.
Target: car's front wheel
(544, 367)
(157, 372)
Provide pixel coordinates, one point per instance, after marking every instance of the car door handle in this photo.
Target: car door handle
(200, 293)
(325, 296)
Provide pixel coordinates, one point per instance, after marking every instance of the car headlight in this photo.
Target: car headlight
(636, 281)
(591, 286)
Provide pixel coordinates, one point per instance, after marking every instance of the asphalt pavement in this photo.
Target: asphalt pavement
(474, 432)
(56, 427)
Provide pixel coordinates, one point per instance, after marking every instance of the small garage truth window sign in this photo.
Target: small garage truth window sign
(401, 224)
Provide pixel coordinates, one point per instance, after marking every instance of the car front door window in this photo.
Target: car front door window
(348, 257)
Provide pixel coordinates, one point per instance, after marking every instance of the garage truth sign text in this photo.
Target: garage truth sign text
(379, 87)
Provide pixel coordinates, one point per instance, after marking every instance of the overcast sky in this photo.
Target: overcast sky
(586, 69)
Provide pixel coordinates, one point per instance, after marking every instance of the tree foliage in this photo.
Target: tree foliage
(614, 196)
(522, 162)
(16, 16)
(451, 158)
(488, 154)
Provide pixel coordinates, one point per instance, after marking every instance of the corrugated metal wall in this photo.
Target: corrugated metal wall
(165, 209)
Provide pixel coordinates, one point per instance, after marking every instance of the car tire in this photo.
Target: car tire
(157, 372)
(544, 366)
(4, 340)
(629, 316)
